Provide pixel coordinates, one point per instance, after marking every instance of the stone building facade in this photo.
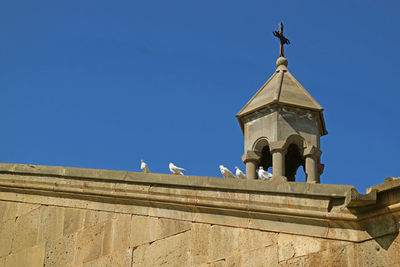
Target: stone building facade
(56, 216)
(59, 216)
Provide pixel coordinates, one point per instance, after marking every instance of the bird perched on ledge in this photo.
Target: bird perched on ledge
(144, 167)
(175, 170)
(225, 172)
(239, 173)
(263, 174)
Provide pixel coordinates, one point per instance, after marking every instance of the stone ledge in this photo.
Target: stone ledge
(388, 184)
(168, 179)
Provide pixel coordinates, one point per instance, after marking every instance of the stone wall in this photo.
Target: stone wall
(42, 235)
(60, 228)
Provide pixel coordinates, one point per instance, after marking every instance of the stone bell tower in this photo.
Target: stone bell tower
(282, 125)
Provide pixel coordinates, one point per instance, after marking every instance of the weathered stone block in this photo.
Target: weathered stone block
(254, 239)
(199, 248)
(117, 234)
(220, 263)
(384, 251)
(286, 225)
(3, 207)
(61, 252)
(108, 238)
(51, 223)
(223, 242)
(290, 246)
(335, 257)
(89, 244)
(73, 220)
(94, 217)
(10, 211)
(184, 213)
(170, 251)
(122, 259)
(33, 257)
(7, 232)
(148, 229)
(226, 241)
(266, 256)
(27, 229)
(24, 208)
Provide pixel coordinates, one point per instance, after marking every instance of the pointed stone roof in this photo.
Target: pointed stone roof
(282, 88)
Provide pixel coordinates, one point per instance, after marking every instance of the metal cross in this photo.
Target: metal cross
(283, 39)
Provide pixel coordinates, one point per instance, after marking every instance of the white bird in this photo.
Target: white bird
(263, 175)
(225, 172)
(144, 167)
(239, 173)
(175, 170)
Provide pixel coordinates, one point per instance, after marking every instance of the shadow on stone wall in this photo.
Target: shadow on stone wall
(383, 230)
(386, 241)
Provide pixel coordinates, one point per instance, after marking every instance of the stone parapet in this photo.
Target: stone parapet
(320, 210)
(57, 216)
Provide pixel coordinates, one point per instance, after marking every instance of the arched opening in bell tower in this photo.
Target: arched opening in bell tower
(262, 147)
(266, 159)
(293, 160)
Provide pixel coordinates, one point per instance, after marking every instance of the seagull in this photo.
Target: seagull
(144, 167)
(225, 172)
(263, 175)
(239, 173)
(175, 170)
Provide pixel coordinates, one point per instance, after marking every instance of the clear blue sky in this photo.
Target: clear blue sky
(103, 84)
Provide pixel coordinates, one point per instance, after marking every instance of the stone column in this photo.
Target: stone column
(312, 155)
(252, 160)
(278, 158)
(278, 162)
